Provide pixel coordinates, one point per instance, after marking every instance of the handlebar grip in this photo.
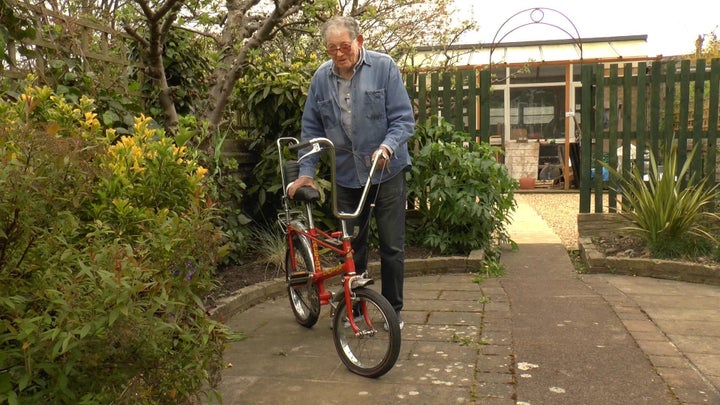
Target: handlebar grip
(297, 146)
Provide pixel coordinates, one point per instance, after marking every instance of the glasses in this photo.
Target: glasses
(333, 50)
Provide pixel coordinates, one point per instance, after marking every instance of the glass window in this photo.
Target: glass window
(533, 74)
(497, 112)
(537, 113)
(577, 72)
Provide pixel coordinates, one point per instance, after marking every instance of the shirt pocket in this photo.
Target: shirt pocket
(375, 105)
(327, 114)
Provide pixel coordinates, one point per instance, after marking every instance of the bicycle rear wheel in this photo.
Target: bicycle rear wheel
(303, 293)
(375, 349)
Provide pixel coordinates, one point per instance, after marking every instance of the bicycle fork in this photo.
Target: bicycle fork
(347, 293)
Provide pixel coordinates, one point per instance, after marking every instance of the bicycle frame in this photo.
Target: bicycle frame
(338, 242)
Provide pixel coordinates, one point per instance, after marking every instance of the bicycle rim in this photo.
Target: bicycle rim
(375, 349)
(304, 298)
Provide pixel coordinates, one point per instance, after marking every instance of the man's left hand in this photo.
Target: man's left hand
(384, 158)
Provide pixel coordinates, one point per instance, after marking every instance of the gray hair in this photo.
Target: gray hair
(347, 24)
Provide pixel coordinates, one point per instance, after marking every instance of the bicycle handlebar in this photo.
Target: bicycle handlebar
(297, 146)
(318, 144)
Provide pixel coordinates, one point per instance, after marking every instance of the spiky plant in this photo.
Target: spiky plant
(672, 210)
(270, 248)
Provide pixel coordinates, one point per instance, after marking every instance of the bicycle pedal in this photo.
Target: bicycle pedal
(299, 278)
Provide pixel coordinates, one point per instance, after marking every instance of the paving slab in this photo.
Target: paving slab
(540, 334)
(683, 321)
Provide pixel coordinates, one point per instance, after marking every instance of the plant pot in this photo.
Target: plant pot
(527, 183)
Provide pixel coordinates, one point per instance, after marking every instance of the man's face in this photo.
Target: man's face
(344, 50)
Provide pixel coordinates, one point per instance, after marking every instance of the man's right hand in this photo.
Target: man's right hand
(300, 182)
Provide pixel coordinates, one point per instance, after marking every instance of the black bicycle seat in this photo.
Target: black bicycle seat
(306, 194)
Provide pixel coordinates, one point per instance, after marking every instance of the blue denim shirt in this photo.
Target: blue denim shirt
(381, 114)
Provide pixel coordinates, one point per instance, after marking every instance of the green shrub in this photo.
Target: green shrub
(269, 99)
(672, 209)
(105, 250)
(463, 197)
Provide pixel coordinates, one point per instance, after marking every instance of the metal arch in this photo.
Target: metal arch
(536, 15)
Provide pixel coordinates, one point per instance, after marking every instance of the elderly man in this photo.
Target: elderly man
(357, 99)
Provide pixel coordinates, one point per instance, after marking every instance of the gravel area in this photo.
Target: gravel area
(560, 211)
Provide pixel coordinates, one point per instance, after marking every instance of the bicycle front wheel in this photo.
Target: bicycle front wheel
(374, 350)
(304, 295)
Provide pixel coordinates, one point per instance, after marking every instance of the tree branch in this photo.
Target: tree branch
(133, 33)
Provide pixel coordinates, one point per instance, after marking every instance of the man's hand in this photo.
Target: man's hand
(300, 182)
(384, 158)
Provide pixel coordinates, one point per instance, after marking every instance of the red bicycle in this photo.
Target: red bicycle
(365, 326)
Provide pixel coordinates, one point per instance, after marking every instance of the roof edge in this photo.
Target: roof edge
(622, 38)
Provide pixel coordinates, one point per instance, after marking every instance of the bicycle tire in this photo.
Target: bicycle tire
(304, 298)
(375, 351)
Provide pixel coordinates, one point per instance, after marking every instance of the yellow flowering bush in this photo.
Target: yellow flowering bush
(107, 243)
(151, 170)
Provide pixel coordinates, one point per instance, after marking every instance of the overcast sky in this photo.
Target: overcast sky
(671, 27)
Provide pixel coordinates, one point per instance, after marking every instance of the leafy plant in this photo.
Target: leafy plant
(671, 210)
(462, 196)
(225, 187)
(270, 97)
(491, 268)
(105, 251)
(271, 93)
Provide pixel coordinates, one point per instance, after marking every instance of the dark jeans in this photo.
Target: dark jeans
(389, 213)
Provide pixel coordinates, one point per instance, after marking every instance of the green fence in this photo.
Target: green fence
(644, 106)
(455, 96)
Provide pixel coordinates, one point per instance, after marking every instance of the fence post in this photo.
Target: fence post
(586, 114)
(485, 105)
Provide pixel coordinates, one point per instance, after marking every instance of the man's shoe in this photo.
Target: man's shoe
(402, 324)
(356, 318)
(346, 323)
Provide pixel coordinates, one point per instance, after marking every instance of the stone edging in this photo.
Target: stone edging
(250, 296)
(597, 262)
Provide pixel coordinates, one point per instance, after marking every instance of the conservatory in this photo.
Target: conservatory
(534, 96)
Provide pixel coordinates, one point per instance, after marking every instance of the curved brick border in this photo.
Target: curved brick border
(597, 262)
(257, 293)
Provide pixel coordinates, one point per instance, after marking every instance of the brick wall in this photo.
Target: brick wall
(521, 159)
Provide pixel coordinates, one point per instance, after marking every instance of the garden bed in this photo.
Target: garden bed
(598, 262)
(625, 260)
